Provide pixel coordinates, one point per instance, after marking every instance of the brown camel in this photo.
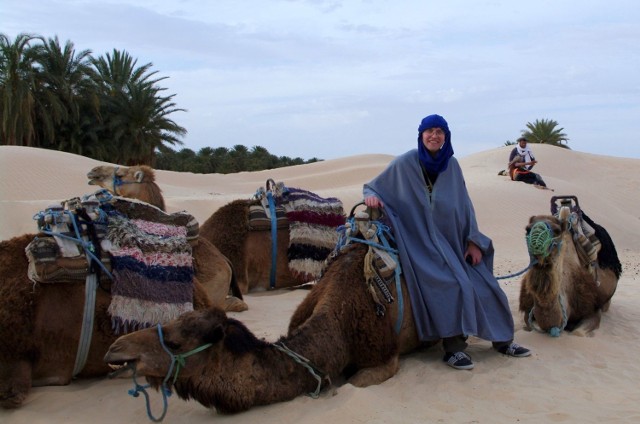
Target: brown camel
(335, 328)
(40, 327)
(213, 268)
(561, 291)
(228, 229)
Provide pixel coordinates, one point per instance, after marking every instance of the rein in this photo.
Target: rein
(178, 361)
(381, 233)
(117, 181)
(315, 372)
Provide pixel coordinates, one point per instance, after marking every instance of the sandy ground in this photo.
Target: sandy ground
(567, 379)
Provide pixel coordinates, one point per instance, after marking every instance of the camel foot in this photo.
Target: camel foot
(233, 304)
(15, 384)
(588, 325)
(375, 375)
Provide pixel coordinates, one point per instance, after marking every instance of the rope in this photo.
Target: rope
(382, 232)
(553, 331)
(274, 239)
(177, 361)
(305, 363)
(532, 262)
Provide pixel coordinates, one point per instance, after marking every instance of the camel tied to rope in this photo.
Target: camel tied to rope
(336, 331)
(213, 268)
(40, 326)
(568, 286)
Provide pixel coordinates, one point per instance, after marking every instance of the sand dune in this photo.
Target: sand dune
(568, 379)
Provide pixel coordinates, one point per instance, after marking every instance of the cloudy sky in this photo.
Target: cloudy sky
(334, 78)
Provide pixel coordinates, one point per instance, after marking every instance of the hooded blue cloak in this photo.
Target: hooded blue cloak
(449, 296)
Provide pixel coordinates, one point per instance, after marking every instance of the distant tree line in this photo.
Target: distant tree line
(223, 161)
(107, 108)
(544, 131)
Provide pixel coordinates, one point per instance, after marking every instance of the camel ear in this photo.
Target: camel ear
(139, 176)
(215, 335)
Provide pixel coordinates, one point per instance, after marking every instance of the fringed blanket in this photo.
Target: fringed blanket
(152, 271)
(146, 251)
(313, 221)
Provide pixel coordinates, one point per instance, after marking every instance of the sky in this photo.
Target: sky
(334, 78)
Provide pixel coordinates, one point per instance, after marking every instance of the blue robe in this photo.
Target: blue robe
(449, 296)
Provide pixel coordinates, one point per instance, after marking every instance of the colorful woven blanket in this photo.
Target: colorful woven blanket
(152, 271)
(313, 221)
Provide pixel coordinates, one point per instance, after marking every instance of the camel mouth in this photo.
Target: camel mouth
(121, 367)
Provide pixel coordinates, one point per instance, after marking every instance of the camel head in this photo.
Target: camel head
(544, 234)
(134, 182)
(194, 336)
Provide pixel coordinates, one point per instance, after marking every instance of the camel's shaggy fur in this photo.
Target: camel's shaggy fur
(559, 288)
(40, 327)
(335, 327)
(212, 267)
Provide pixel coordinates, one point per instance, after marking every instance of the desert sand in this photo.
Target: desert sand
(567, 379)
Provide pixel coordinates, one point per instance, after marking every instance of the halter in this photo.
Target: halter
(177, 361)
(117, 181)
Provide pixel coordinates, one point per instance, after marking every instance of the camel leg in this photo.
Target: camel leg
(587, 325)
(376, 375)
(15, 384)
(525, 319)
(233, 304)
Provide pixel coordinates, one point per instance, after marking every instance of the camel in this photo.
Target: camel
(561, 291)
(236, 371)
(40, 327)
(248, 251)
(138, 182)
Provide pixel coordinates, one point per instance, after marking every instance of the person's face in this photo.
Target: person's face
(522, 143)
(433, 139)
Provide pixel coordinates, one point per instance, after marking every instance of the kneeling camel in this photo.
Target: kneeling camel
(335, 328)
(562, 291)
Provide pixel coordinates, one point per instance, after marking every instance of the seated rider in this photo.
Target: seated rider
(521, 160)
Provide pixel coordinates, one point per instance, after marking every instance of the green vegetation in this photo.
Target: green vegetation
(107, 108)
(544, 131)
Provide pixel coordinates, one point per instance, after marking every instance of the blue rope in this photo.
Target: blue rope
(85, 244)
(515, 274)
(382, 232)
(180, 360)
(274, 240)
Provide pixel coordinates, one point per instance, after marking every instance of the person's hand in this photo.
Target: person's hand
(473, 254)
(373, 202)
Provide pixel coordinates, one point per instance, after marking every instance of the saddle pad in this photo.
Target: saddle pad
(259, 221)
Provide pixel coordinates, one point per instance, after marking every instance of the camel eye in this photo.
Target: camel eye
(171, 345)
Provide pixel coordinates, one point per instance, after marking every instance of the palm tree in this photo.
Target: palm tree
(17, 86)
(544, 131)
(134, 113)
(64, 96)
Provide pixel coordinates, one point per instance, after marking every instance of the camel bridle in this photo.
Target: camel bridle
(177, 361)
(116, 181)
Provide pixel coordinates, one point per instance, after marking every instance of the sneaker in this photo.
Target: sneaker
(458, 360)
(514, 349)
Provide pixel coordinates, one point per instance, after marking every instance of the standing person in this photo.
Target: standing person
(446, 261)
(521, 161)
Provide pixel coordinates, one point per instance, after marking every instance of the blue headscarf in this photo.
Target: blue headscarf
(437, 164)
